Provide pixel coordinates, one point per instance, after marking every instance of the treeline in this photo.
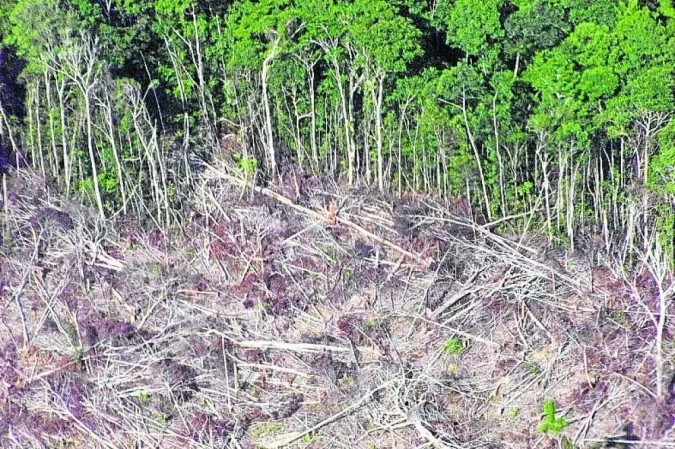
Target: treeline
(556, 112)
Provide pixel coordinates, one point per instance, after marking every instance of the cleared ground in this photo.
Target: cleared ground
(310, 316)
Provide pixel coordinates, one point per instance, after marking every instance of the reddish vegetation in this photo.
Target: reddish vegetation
(256, 326)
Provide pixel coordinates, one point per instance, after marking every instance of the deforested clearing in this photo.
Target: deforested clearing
(307, 314)
(368, 224)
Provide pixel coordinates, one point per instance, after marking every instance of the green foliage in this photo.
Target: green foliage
(78, 356)
(603, 76)
(662, 168)
(533, 368)
(602, 12)
(85, 186)
(309, 438)
(453, 346)
(551, 423)
(482, 101)
(254, 27)
(620, 317)
(571, 79)
(143, 397)
(262, 430)
(247, 165)
(108, 182)
(35, 28)
(512, 413)
(388, 40)
(475, 27)
(535, 26)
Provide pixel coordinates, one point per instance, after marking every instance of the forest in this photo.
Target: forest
(337, 223)
(556, 113)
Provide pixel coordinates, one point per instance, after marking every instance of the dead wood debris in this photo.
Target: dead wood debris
(340, 319)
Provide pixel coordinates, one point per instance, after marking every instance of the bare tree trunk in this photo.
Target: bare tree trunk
(378, 98)
(106, 105)
(477, 156)
(92, 154)
(353, 86)
(348, 137)
(52, 131)
(312, 128)
(67, 163)
(546, 184)
(309, 64)
(34, 130)
(271, 154)
(502, 184)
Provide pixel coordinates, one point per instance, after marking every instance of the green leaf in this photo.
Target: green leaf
(474, 26)
(549, 408)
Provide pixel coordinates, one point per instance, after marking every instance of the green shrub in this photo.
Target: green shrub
(550, 423)
(453, 346)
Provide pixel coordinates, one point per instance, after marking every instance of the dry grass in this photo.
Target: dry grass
(257, 325)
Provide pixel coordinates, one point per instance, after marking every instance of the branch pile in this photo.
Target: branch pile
(304, 315)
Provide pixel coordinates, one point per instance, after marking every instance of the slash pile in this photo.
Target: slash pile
(307, 315)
